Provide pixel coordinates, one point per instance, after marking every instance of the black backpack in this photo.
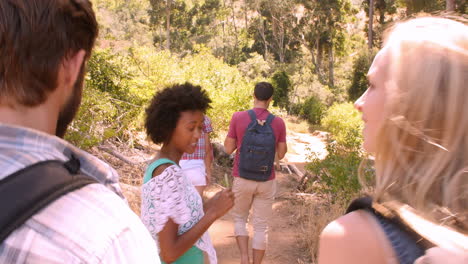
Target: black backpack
(27, 191)
(257, 152)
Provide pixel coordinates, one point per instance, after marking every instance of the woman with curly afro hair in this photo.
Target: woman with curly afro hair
(172, 209)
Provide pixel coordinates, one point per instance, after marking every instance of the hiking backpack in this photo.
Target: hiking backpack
(27, 191)
(257, 152)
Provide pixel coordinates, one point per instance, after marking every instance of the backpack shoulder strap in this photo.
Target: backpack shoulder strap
(27, 191)
(253, 116)
(270, 119)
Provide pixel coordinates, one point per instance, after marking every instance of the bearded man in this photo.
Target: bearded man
(44, 47)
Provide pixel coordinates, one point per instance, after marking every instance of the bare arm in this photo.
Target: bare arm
(208, 158)
(229, 145)
(281, 149)
(354, 239)
(173, 246)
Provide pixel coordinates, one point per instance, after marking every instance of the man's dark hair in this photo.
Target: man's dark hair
(163, 113)
(35, 37)
(263, 91)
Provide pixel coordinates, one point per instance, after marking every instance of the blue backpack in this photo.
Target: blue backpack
(257, 152)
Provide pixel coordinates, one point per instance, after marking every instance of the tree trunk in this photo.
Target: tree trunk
(245, 15)
(161, 39)
(168, 24)
(371, 20)
(265, 43)
(331, 71)
(236, 36)
(319, 55)
(450, 5)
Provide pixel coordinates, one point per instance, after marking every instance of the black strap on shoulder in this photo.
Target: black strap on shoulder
(360, 203)
(366, 203)
(270, 119)
(253, 116)
(25, 192)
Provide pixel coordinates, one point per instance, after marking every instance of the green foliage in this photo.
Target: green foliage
(190, 22)
(312, 110)
(273, 30)
(338, 172)
(123, 22)
(282, 85)
(229, 91)
(119, 85)
(89, 127)
(255, 67)
(109, 108)
(361, 66)
(344, 122)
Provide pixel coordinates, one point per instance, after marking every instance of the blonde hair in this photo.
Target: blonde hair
(421, 157)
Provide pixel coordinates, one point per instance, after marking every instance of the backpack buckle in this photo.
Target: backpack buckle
(264, 168)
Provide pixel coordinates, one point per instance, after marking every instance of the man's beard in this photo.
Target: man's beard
(69, 110)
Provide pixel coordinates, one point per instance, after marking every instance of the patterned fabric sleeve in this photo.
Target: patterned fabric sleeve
(163, 197)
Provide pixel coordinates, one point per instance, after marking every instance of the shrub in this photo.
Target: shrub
(359, 74)
(89, 127)
(338, 172)
(313, 110)
(344, 122)
(109, 108)
(255, 67)
(282, 84)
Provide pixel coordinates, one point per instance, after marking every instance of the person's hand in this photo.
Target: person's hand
(220, 204)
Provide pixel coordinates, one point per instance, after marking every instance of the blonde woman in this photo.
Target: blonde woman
(416, 125)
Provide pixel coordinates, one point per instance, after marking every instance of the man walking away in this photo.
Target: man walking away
(257, 135)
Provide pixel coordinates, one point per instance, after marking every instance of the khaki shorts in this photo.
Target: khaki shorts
(260, 197)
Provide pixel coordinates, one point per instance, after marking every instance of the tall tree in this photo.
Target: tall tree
(184, 25)
(273, 30)
(322, 29)
(168, 24)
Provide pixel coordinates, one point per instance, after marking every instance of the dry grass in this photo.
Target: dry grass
(318, 213)
(296, 124)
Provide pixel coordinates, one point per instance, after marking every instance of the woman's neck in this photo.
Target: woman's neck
(169, 152)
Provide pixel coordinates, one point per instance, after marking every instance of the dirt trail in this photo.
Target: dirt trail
(284, 241)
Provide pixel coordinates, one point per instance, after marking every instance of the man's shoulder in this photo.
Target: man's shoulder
(240, 116)
(93, 217)
(278, 121)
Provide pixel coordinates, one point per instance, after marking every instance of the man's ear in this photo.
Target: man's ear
(72, 66)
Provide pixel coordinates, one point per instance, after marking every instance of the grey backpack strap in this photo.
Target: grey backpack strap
(253, 116)
(27, 191)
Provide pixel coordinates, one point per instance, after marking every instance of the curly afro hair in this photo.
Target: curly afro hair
(164, 110)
